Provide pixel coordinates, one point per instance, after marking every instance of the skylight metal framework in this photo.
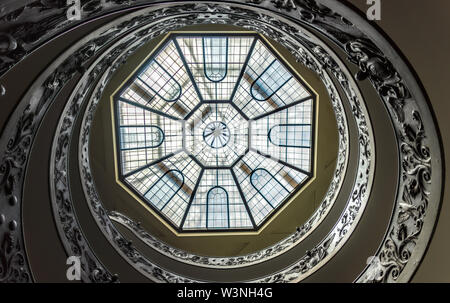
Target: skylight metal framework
(215, 132)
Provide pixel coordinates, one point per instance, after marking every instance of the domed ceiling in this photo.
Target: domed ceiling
(215, 131)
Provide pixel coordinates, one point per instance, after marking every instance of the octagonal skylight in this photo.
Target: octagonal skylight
(214, 131)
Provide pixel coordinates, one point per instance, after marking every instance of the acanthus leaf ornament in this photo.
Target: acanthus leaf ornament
(288, 5)
(415, 163)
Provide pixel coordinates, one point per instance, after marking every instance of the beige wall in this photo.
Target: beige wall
(421, 29)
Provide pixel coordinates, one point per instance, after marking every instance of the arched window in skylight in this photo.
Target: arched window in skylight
(140, 137)
(165, 188)
(291, 135)
(269, 188)
(270, 81)
(215, 57)
(217, 208)
(161, 82)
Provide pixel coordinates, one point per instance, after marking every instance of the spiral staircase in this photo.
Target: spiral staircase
(372, 185)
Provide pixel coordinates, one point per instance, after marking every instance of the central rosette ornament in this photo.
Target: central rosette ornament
(216, 135)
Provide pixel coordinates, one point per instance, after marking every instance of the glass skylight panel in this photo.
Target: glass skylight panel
(286, 135)
(163, 191)
(164, 84)
(168, 185)
(215, 62)
(215, 59)
(145, 136)
(161, 82)
(214, 132)
(262, 201)
(291, 135)
(177, 207)
(266, 84)
(140, 136)
(217, 203)
(217, 208)
(269, 81)
(268, 186)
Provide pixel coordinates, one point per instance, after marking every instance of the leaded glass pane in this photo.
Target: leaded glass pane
(271, 190)
(140, 136)
(165, 188)
(291, 135)
(270, 81)
(215, 58)
(161, 82)
(217, 201)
